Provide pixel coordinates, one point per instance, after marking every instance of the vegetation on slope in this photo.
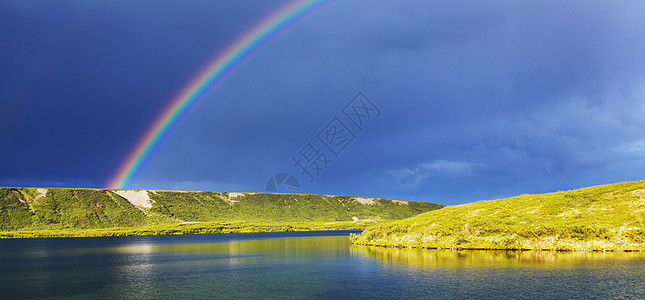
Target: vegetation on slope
(27, 208)
(608, 217)
(76, 212)
(266, 207)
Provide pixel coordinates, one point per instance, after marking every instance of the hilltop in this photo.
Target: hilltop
(82, 212)
(607, 217)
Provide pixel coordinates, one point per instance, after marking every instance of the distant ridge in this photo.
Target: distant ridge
(77, 208)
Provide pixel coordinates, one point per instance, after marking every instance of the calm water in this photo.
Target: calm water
(301, 265)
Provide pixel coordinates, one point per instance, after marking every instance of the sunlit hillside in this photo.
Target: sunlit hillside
(607, 217)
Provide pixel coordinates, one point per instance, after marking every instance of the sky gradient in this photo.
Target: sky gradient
(477, 101)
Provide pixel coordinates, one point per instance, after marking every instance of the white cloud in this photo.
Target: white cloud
(633, 148)
(415, 176)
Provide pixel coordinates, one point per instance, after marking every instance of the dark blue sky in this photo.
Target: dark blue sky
(478, 100)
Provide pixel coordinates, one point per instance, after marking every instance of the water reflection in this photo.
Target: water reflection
(134, 266)
(301, 246)
(321, 265)
(149, 267)
(425, 258)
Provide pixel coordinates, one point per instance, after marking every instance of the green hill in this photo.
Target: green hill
(608, 217)
(40, 209)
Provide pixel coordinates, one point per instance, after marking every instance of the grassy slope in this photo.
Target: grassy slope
(263, 207)
(81, 212)
(608, 217)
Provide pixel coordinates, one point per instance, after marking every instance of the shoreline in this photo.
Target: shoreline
(183, 229)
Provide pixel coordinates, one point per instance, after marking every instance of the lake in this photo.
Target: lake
(320, 264)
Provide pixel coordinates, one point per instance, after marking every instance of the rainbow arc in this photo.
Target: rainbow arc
(213, 73)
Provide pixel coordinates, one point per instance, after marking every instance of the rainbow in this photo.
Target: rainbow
(221, 65)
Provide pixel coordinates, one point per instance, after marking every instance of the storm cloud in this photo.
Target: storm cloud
(478, 100)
